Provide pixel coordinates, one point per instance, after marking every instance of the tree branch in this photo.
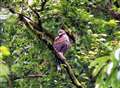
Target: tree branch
(38, 16)
(43, 33)
(33, 75)
(59, 57)
(43, 4)
(36, 26)
(69, 70)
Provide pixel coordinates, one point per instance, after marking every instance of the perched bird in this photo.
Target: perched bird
(61, 44)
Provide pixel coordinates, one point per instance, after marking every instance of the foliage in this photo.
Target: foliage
(97, 36)
(4, 71)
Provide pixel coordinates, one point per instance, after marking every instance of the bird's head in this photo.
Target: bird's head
(61, 32)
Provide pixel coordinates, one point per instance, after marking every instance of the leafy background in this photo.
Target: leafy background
(97, 36)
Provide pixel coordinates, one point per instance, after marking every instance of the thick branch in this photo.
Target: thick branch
(69, 70)
(36, 26)
(38, 16)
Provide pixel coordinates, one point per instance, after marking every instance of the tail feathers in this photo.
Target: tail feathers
(59, 68)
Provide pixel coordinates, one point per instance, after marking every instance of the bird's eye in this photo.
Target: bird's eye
(60, 32)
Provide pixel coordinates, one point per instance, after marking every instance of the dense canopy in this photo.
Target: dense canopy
(27, 32)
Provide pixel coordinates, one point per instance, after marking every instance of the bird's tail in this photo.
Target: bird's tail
(58, 65)
(59, 68)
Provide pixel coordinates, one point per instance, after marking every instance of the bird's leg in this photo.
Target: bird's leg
(59, 68)
(58, 65)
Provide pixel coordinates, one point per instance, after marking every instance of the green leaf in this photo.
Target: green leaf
(4, 71)
(4, 50)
